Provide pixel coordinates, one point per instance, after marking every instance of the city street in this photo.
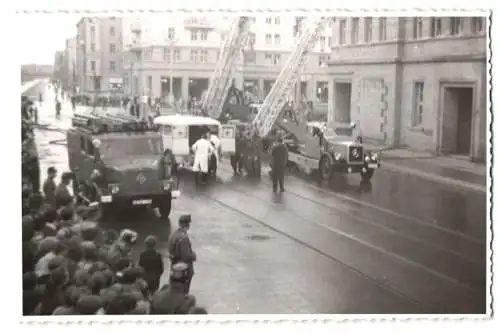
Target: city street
(399, 245)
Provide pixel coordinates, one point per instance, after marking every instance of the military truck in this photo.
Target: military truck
(125, 153)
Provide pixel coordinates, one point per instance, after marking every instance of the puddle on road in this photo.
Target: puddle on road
(258, 237)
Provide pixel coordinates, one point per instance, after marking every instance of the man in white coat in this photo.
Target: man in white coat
(202, 149)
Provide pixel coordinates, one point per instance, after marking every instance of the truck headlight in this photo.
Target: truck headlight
(337, 156)
(374, 156)
(114, 188)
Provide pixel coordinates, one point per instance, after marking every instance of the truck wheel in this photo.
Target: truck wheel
(367, 175)
(326, 167)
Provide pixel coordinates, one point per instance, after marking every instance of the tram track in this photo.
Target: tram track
(467, 289)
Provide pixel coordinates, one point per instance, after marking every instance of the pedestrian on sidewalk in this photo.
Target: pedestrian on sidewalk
(279, 159)
(58, 109)
(49, 186)
(152, 263)
(181, 251)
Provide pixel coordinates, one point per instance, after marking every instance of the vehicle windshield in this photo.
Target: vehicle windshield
(119, 147)
(339, 133)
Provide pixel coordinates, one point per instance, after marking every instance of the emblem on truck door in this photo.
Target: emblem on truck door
(140, 178)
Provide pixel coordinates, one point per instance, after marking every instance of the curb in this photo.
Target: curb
(435, 178)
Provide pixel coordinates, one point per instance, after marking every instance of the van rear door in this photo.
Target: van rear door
(180, 144)
(227, 136)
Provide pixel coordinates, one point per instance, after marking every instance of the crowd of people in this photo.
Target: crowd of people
(71, 266)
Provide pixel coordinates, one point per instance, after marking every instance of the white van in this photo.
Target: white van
(180, 132)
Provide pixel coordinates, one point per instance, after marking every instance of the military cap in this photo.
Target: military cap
(185, 219)
(178, 270)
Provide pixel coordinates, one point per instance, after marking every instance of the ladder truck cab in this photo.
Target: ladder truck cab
(340, 150)
(311, 149)
(125, 155)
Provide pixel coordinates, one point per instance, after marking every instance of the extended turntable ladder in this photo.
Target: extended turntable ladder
(222, 77)
(271, 109)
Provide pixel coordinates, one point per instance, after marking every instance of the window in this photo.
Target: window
(194, 35)
(355, 31)
(322, 42)
(194, 56)
(477, 25)
(418, 104)
(112, 48)
(322, 92)
(93, 66)
(269, 58)
(342, 27)
(203, 35)
(418, 27)
(148, 53)
(204, 56)
(112, 66)
(171, 33)
(435, 27)
(92, 47)
(321, 61)
(368, 29)
(382, 29)
(268, 20)
(330, 42)
(277, 59)
(268, 39)
(456, 26)
(150, 82)
(277, 20)
(177, 55)
(277, 39)
(90, 148)
(251, 38)
(167, 55)
(111, 31)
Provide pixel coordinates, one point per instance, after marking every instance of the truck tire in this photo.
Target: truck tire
(367, 175)
(326, 167)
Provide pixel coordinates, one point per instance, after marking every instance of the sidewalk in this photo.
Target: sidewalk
(454, 171)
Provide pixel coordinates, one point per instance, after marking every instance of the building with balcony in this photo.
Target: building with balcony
(185, 49)
(99, 56)
(413, 82)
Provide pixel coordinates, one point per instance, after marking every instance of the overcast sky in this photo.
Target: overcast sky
(42, 35)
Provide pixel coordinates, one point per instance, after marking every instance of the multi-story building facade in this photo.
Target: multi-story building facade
(99, 56)
(186, 49)
(59, 66)
(70, 64)
(414, 82)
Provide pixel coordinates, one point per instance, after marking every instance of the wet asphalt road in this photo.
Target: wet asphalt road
(401, 245)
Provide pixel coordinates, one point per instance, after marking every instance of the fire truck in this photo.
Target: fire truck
(125, 153)
(336, 149)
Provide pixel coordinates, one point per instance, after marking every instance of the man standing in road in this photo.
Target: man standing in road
(180, 250)
(279, 159)
(62, 195)
(58, 109)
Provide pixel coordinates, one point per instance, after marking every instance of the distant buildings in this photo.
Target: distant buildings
(99, 55)
(31, 71)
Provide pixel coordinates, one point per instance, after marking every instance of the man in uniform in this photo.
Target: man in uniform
(172, 299)
(279, 159)
(49, 186)
(180, 250)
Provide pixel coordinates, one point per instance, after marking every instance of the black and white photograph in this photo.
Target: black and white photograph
(277, 163)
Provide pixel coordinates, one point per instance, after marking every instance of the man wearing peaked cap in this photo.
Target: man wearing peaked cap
(181, 251)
